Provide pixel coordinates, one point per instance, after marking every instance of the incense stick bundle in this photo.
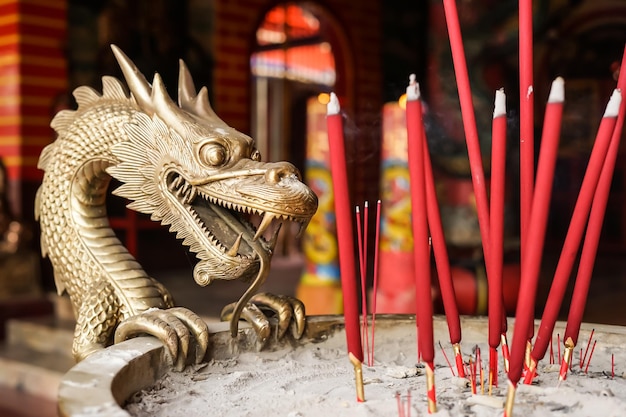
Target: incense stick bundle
(576, 229)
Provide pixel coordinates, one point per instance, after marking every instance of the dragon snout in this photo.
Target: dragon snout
(280, 170)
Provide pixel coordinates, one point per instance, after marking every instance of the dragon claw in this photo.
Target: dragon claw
(289, 311)
(173, 327)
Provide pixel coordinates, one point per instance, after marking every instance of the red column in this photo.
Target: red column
(33, 76)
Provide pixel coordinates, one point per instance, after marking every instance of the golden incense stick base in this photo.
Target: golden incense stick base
(430, 388)
(510, 399)
(527, 352)
(358, 377)
(567, 358)
(530, 372)
(505, 352)
(458, 357)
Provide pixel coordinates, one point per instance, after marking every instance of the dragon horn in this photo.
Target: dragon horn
(137, 83)
(189, 101)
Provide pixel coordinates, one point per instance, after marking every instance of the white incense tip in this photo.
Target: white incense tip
(333, 105)
(557, 92)
(612, 108)
(499, 108)
(413, 90)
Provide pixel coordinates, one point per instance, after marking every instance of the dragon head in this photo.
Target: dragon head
(188, 169)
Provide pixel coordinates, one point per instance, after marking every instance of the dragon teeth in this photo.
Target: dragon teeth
(235, 248)
(274, 239)
(265, 223)
(303, 226)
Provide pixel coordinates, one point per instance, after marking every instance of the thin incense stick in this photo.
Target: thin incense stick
(375, 286)
(588, 344)
(612, 366)
(446, 358)
(361, 239)
(345, 238)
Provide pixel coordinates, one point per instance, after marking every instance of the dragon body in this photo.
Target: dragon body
(184, 167)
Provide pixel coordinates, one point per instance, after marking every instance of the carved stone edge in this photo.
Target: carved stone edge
(98, 385)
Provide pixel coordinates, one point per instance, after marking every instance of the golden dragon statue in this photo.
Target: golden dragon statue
(186, 168)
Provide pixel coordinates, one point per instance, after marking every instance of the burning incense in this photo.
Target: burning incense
(498, 180)
(421, 247)
(531, 263)
(345, 240)
(576, 230)
(527, 141)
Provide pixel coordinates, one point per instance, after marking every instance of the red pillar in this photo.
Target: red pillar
(33, 76)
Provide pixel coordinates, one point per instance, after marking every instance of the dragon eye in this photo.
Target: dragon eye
(213, 154)
(255, 155)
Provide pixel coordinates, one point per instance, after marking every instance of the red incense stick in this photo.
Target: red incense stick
(498, 174)
(612, 366)
(345, 239)
(446, 358)
(469, 123)
(361, 242)
(442, 261)
(575, 231)
(551, 353)
(493, 376)
(588, 344)
(421, 248)
(590, 355)
(596, 217)
(375, 286)
(539, 215)
(527, 145)
(594, 229)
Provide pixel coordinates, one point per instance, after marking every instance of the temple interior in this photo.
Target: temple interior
(269, 67)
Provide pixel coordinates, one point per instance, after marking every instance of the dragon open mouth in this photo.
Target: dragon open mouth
(236, 230)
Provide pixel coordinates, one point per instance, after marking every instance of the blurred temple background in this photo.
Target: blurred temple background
(268, 66)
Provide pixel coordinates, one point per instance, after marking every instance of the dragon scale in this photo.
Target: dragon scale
(80, 237)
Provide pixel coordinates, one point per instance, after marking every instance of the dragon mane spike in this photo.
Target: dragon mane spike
(189, 101)
(160, 99)
(186, 88)
(165, 108)
(137, 83)
(203, 107)
(113, 88)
